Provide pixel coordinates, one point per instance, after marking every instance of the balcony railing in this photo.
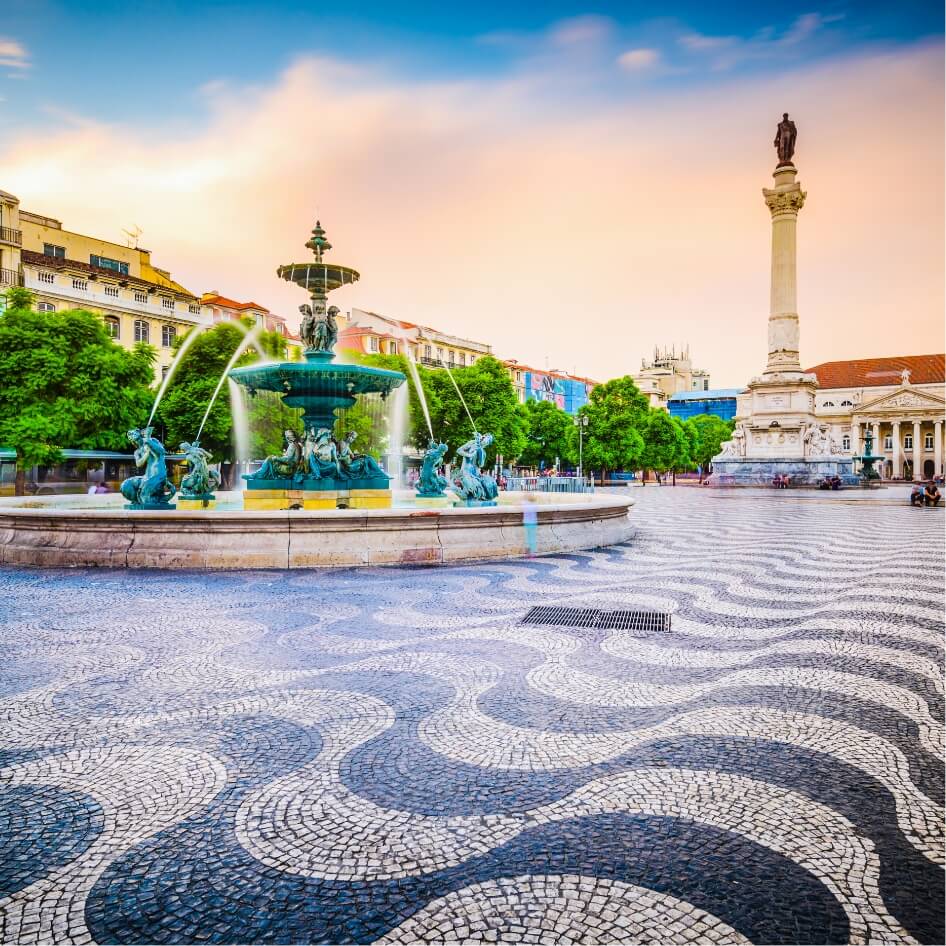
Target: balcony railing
(10, 277)
(9, 235)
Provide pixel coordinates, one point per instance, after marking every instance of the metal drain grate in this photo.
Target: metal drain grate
(594, 617)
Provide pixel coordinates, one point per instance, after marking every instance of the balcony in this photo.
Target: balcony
(10, 277)
(11, 236)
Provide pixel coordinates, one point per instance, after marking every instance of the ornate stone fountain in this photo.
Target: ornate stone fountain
(315, 471)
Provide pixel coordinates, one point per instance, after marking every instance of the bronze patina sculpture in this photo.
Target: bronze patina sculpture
(201, 480)
(153, 489)
(785, 136)
(321, 454)
(471, 484)
(356, 465)
(431, 483)
(281, 467)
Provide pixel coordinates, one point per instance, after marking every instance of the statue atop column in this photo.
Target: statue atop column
(785, 135)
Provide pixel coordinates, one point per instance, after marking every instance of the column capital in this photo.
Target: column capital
(784, 201)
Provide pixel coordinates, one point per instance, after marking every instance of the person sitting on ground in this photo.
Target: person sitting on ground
(931, 495)
(825, 483)
(916, 495)
(835, 482)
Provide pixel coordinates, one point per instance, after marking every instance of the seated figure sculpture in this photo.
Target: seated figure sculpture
(431, 483)
(470, 483)
(153, 488)
(321, 454)
(356, 465)
(281, 467)
(201, 480)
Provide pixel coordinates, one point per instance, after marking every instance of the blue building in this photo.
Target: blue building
(721, 402)
(568, 391)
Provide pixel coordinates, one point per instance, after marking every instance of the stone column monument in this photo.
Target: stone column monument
(777, 431)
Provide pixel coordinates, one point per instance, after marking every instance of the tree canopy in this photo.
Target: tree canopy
(492, 402)
(616, 412)
(550, 435)
(710, 433)
(193, 384)
(665, 444)
(66, 383)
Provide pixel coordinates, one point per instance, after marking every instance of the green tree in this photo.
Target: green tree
(195, 379)
(550, 435)
(491, 399)
(665, 444)
(417, 433)
(616, 413)
(711, 432)
(66, 384)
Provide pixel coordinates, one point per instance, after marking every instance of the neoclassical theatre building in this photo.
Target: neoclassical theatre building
(900, 399)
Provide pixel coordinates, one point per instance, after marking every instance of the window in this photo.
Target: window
(453, 357)
(167, 303)
(706, 384)
(194, 309)
(113, 326)
(518, 376)
(45, 307)
(48, 278)
(908, 442)
(80, 284)
(427, 352)
(168, 334)
(846, 442)
(472, 359)
(164, 371)
(116, 266)
(847, 403)
(392, 348)
(927, 441)
(57, 252)
(462, 358)
(112, 291)
(141, 297)
(888, 442)
(372, 343)
(142, 331)
(439, 354)
(828, 404)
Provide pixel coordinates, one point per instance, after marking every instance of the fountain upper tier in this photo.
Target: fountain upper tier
(318, 277)
(317, 385)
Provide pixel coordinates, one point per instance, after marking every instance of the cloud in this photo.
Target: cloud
(579, 230)
(13, 54)
(726, 52)
(637, 59)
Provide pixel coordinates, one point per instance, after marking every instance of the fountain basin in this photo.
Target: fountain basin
(35, 531)
(318, 277)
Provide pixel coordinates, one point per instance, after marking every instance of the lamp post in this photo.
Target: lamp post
(581, 422)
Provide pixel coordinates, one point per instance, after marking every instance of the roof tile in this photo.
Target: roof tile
(879, 372)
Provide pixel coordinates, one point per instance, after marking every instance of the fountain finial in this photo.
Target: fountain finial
(318, 244)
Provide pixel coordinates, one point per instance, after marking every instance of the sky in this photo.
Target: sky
(574, 185)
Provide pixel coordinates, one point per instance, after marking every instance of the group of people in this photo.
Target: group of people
(925, 495)
(830, 482)
(781, 481)
(319, 455)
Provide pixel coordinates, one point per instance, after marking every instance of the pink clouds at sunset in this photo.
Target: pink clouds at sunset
(554, 226)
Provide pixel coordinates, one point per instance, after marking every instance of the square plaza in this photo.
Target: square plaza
(391, 755)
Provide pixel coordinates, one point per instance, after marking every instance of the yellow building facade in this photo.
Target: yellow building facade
(67, 270)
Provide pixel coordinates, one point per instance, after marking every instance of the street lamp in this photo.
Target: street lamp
(581, 422)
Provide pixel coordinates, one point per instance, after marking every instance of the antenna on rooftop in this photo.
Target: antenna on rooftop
(133, 235)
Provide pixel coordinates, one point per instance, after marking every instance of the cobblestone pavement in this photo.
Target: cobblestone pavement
(390, 755)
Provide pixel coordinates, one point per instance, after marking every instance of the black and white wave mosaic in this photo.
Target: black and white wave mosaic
(391, 756)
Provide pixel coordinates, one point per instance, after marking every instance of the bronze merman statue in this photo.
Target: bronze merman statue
(785, 136)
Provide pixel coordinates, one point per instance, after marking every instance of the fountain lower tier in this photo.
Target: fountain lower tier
(318, 387)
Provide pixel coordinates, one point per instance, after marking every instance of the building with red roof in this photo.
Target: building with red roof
(900, 400)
